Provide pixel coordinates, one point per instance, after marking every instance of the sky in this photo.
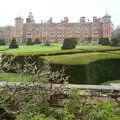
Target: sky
(44, 9)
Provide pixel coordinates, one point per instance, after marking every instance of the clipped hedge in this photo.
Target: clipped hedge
(87, 68)
(78, 74)
(93, 73)
(45, 53)
(104, 70)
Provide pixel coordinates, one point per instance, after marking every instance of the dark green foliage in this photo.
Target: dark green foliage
(115, 42)
(2, 42)
(78, 74)
(104, 70)
(30, 116)
(69, 43)
(88, 39)
(37, 41)
(47, 43)
(29, 41)
(94, 73)
(116, 37)
(13, 44)
(104, 41)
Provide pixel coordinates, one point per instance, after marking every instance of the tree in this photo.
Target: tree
(2, 42)
(88, 39)
(29, 41)
(116, 37)
(69, 43)
(37, 41)
(47, 43)
(13, 44)
(104, 41)
(115, 42)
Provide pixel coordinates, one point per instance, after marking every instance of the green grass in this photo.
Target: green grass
(31, 48)
(80, 58)
(13, 77)
(109, 82)
(4, 48)
(55, 48)
(41, 48)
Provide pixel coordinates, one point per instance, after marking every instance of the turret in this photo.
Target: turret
(19, 27)
(106, 18)
(82, 20)
(106, 26)
(94, 19)
(30, 18)
(66, 20)
(50, 21)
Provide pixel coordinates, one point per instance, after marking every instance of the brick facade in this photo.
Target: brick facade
(56, 32)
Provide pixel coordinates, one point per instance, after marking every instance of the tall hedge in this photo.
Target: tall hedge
(2, 42)
(104, 41)
(94, 73)
(104, 70)
(69, 43)
(29, 41)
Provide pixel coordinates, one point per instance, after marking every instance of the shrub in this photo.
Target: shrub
(29, 41)
(115, 42)
(104, 41)
(30, 116)
(88, 109)
(46, 43)
(37, 41)
(69, 43)
(104, 70)
(88, 39)
(95, 72)
(2, 42)
(13, 44)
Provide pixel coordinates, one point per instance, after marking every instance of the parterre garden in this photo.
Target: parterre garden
(86, 64)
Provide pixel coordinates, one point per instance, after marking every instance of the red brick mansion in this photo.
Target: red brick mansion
(56, 32)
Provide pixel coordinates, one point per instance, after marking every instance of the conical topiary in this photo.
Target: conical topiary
(13, 44)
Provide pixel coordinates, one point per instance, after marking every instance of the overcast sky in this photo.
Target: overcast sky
(43, 9)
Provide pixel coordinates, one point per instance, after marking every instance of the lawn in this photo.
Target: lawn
(13, 77)
(109, 82)
(80, 58)
(40, 48)
(30, 48)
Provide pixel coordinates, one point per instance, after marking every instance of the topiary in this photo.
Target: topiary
(69, 43)
(29, 41)
(2, 42)
(37, 41)
(104, 41)
(13, 44)
(46, 43)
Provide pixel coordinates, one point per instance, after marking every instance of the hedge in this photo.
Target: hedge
(62, 52)
(101, 49)
(80, 58)
(92, 68)
(45, 53)
(93, 73)
(104, 70)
